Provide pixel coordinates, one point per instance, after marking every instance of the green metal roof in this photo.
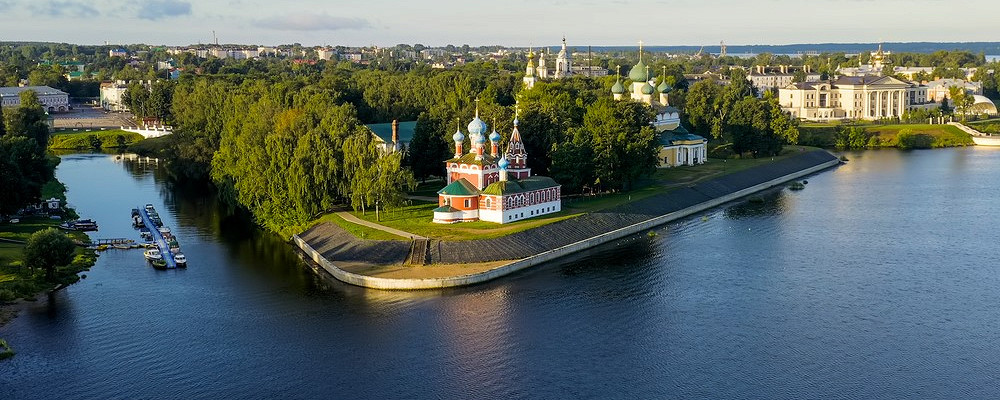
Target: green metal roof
(460, 187)
(669, 138)
(384, 131)
(445, 209)
(518, 186)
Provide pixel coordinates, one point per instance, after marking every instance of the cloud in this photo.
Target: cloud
(312, 22)
(60, 9)
(158, 9)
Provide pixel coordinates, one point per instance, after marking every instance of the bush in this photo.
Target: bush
(909, 140)
(7, 295)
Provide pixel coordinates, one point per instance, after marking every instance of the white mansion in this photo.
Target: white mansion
(853, 97)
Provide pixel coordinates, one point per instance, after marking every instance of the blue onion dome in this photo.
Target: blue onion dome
(516, 121)
(638, 72)
(494, 137)
(477, 126)
(664, 87)
(647, 88)
(480, 138)
(503, 163)
(618, 88)
(458, 136)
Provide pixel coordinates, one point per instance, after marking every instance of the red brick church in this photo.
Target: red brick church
(493, 187)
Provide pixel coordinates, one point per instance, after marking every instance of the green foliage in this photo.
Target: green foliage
(93, 140)
(907, 139)
(48, 249)
(428, 149)
(573, 163)
(22, 155)
(624, 143)
(852, 137)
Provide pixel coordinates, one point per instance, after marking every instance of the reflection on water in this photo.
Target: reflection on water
(878, 280)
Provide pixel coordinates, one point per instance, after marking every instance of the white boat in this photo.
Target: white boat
(153, 254)
(181, 260)
(164, 229)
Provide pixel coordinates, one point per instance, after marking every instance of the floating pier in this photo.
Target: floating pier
(158, 238)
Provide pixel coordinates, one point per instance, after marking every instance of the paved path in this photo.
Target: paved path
(355, 220)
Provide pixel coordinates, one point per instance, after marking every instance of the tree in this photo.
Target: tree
(573, 163)
(962, 101)
(29, 120)
(799, 76)
(625, 145)
(428, 148)
(48, 249)
(136, 96)
(700, 103)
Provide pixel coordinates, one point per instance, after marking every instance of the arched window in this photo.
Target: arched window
(488, 202)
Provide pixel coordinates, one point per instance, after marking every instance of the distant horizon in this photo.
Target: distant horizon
(707, 47)
(522, 23)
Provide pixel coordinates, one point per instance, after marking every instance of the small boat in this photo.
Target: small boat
(181, 260)
(80, 225)
(135, 212)
(164, 230)
(121, 246)
(153, 255)
(159, 264)
(149, 207)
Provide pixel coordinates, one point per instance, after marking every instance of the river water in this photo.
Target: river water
(879, 280)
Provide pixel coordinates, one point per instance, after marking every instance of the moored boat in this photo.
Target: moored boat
(152, 255)
(159, 264)
(181, 260)
(79, 225)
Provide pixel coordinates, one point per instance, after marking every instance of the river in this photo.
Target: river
(879, 280)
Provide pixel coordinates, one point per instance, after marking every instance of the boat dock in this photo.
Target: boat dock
(158, 238)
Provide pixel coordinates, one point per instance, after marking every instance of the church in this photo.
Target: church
(677, 145)
(493, 187)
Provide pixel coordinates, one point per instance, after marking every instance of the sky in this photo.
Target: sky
(503, 22)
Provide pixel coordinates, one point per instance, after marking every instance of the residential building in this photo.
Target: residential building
(853, 97)
(113, 96)
(938, 89)
(52, 100)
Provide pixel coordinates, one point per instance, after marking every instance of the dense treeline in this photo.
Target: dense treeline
(24, 136)
(734, 114)
(284, 150)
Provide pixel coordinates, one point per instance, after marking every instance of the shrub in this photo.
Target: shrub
(909, 140)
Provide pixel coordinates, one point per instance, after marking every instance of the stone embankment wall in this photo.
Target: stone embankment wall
(328, 242)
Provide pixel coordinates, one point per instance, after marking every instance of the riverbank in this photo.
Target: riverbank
(375, 264)
(93, 140)
(19, 283)
(829, 135)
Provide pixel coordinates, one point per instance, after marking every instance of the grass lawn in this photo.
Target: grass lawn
(67, 140)
(417, 218)
(944, 135)
(428, 189)
(15, 280)
(987, 126)
(825, 135)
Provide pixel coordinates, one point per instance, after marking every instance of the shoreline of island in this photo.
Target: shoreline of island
(709, 194)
